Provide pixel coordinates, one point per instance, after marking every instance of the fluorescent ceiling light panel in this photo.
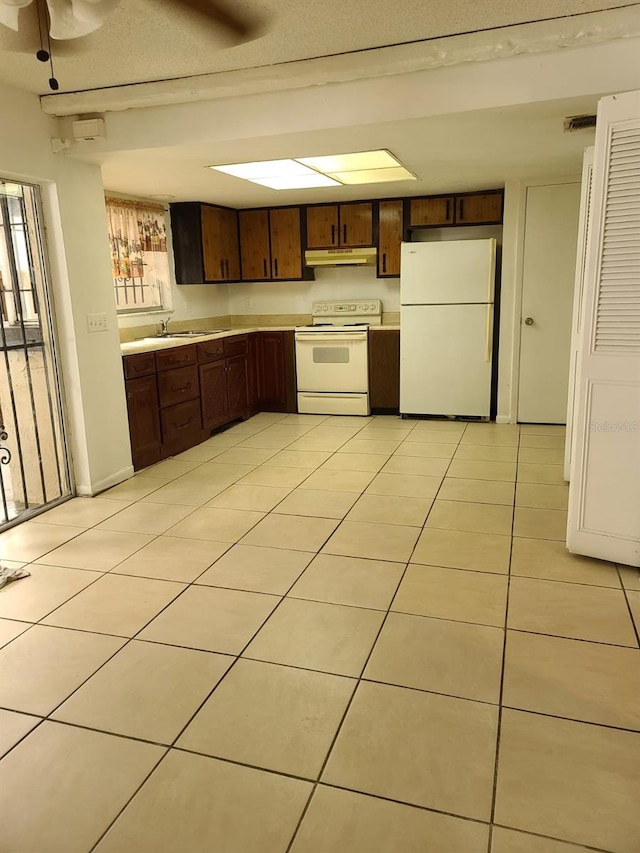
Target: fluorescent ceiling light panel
(374, 176)
(356, 162)
(265, 169)
(297, 182)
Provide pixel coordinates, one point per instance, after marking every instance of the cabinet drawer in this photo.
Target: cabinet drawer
(141, 364)
(177, 386)
(179, 422)
(235, 346)
(210, 351)
(177, 357)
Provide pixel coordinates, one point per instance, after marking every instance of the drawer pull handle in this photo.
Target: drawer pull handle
(184, 425)
(182, 390)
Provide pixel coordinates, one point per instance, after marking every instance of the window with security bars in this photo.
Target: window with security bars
(139, 259)
(34, 471)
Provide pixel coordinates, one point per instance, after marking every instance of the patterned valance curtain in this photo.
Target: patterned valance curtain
(135, 227)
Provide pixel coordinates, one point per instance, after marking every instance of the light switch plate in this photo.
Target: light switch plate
(97, 323)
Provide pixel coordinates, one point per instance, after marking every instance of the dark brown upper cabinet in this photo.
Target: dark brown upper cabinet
(431, 211)
(286, 242)
(344, 225)
(271, 244)
(205, 243)
(479, 209)
(255, 245)
(390, 232)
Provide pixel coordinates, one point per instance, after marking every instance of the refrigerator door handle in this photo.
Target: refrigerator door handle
(489, 327)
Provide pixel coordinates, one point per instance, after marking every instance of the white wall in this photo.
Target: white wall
(295, 297)
(74, 213)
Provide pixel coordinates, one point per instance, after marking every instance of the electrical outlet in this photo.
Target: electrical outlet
(97, 323)
(247, 302)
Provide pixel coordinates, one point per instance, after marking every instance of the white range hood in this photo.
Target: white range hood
(340, 257)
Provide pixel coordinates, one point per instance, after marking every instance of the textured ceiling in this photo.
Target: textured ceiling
(465, 151)
(146, 40)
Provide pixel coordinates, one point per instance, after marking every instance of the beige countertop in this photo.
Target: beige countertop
(152, 344)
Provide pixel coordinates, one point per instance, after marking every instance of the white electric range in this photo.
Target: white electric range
(332, 357)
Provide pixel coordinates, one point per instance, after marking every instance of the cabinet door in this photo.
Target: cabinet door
(213, 243)
(186, 236)
(384, 370)
(431, 211)
(144, 421)
(286, 242)
(181, 427)
(178, 386)
(475, 209)
(271, 382)
(356, 224)
(237, 392)
(231, 245)
(322, 226)
(389, 237)
(213, 394)
(255, 252)
(253, 358)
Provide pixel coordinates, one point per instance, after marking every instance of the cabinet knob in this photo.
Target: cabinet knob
(528, 321)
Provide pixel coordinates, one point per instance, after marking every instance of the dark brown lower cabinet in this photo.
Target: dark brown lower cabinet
(181, 427)
(276, 372)
(191, 391)
(237, 393)
(384, 370)
(213, 394)
(144, 420)
(253, 350)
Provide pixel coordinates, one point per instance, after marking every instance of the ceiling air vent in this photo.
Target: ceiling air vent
(572, 123)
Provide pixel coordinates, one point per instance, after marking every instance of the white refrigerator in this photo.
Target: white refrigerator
(446, 323)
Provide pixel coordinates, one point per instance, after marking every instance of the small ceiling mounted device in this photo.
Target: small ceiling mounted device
(65, 20)
(573, 123)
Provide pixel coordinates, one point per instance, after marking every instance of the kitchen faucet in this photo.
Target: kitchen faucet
(164, 327)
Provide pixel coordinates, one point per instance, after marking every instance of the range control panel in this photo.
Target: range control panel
(354, 310)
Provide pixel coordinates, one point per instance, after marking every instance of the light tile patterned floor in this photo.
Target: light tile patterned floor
(322, 635)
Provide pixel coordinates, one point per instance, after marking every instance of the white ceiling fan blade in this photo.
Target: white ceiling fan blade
(72, 19)
(9, 12)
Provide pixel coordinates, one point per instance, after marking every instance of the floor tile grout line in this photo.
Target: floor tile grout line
(238, 656)
(494, 793)
(344, 716)
(625, 592)
(580, 845)
(130, 799)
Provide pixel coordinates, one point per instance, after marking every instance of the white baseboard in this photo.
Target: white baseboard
(504, 419)
(88, 490)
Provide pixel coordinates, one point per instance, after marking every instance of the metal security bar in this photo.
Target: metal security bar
(34, 469)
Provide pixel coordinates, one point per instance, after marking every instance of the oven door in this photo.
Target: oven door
(332, 361)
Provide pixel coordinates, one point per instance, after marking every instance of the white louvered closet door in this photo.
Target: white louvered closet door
(604, 494)
(578, 299)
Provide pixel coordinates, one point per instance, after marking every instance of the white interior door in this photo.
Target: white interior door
(445, 360)
(550, 240)
(578, 299)
(604, 493)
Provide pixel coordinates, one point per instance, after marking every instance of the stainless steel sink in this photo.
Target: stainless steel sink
(191, 334)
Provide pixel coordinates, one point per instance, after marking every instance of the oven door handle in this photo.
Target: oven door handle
(331, 337)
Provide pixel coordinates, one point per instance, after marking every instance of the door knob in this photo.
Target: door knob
(528, 321)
